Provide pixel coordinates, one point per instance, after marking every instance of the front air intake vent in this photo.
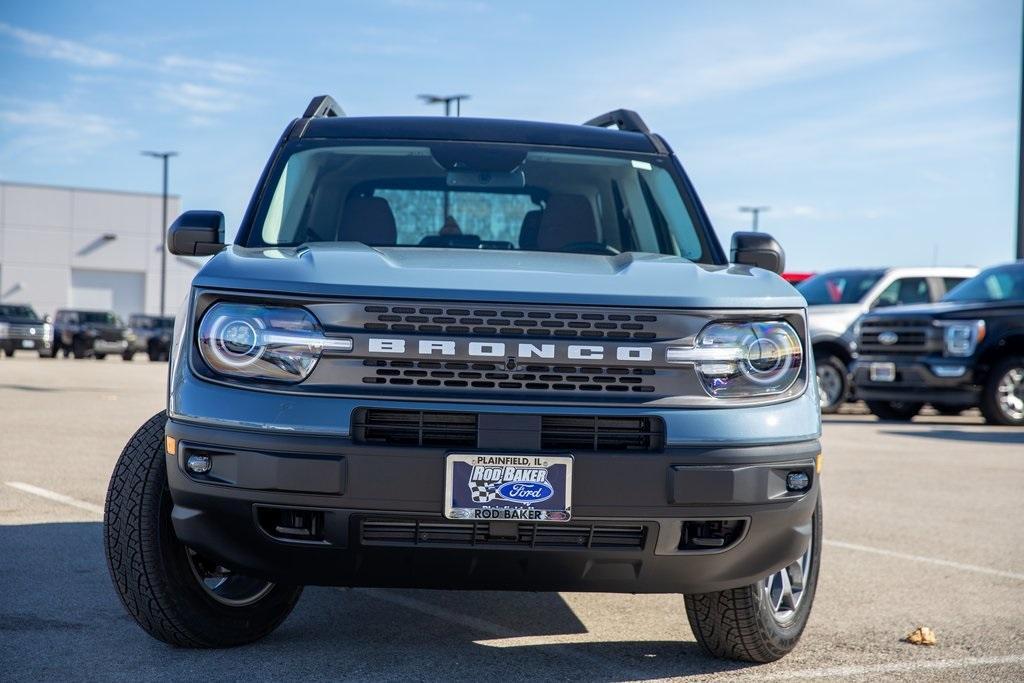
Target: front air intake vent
(459, 430)
(423, 532)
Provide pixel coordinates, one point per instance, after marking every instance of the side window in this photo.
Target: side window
(908, 290)
(951, 282)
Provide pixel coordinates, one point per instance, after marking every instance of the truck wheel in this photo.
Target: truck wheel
(762, 622)
(1002, 398)
(78, 348)
(833, 383)
(175, 594)
(8, 352)
(99, 356)
(128, 355)
(901, 411)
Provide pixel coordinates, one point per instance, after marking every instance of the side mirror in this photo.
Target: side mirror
(196, 233)
(757, 249)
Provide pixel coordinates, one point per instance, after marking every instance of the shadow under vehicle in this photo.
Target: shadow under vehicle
(966, 351)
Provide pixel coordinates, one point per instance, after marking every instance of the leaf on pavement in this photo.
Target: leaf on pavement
(922, 635)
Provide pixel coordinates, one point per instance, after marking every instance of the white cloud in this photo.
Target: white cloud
(52, 47)
(49, 130)
(220, 70)
(199, 99)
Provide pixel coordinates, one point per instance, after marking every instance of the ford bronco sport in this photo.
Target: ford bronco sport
(475, 354)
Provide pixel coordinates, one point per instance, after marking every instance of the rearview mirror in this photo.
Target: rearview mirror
(196, 233)
(759, 250)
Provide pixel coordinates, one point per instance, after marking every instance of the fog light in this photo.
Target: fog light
(198, 464)
(797, 482)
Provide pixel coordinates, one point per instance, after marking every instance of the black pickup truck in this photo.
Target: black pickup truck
(965, 351)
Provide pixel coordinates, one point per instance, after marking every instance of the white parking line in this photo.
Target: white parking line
(57, 497)
(895, 667)
(930, 560)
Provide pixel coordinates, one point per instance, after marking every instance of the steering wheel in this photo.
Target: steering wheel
(590, 248)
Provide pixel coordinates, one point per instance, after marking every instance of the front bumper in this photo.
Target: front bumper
(104, 346)
(916, 380)
(378, 505)
(25, 344)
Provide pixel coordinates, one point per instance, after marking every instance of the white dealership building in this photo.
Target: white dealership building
(65, 247)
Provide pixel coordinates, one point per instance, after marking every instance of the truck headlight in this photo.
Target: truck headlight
(961, 337)
(264, 342)
(744, 360)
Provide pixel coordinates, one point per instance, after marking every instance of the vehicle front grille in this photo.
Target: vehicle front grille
(23, 331)
(575, 433)
(913, 336)
(495, 376)
(508, 322)
(417, 532)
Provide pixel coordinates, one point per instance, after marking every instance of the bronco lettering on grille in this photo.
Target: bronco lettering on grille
(447, 347)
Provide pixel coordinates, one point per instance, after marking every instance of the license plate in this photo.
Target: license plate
(882, 372)
(27, 344)
(534, 488)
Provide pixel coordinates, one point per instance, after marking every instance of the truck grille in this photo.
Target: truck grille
(416, 532)
(494, 376)
(25, 331)
(459, 430)
(912, 336)
(508, 322)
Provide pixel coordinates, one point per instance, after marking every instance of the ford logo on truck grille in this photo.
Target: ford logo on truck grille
(888, 338)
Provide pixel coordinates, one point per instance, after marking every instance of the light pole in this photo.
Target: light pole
(754, 212)
(163, 230)
(447, 101)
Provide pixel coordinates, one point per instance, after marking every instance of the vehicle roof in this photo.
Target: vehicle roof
(477, 129)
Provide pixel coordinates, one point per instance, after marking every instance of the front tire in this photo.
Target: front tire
(833, 383)
(1002, 398)
(128, 355)
(175, 595)
(897, 411)
(762, 622)
(79, 349)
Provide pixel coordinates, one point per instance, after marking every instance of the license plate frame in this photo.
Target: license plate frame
(510, 487)
(882, 372)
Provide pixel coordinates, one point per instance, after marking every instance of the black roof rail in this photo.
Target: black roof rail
(322, 105)
(624, 119)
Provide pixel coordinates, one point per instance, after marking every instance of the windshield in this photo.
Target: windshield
(1002, 283)
(99, 318)
(839, 287)
(9, 311)
(473, 196)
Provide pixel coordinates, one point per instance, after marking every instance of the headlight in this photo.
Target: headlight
(961, 337)
(744, 360)
(264, 342)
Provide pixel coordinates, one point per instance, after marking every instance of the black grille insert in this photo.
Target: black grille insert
(911, 336)
(509, 322)
(459, 430)
(419, 532)
(495, 376)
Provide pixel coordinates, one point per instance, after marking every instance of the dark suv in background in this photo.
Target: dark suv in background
(90, 333)
(965, 351)
(21, 328)
(152, 336)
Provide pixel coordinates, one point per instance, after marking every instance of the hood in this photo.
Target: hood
(354, 269)
(22, 320)
(833, 320)
(942, 309)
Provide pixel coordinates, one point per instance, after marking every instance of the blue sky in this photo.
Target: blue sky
(878, 132)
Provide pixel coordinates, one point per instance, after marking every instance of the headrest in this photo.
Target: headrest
(567, 219)
(368, 220)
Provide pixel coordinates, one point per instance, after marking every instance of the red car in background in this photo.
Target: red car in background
(794, 278)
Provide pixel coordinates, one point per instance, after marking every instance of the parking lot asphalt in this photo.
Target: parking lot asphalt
(922, 527)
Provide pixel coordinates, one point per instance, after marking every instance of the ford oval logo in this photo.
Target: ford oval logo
(888, 338)
(525, 491)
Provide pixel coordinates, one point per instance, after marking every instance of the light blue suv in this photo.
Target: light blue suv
(476, 354)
